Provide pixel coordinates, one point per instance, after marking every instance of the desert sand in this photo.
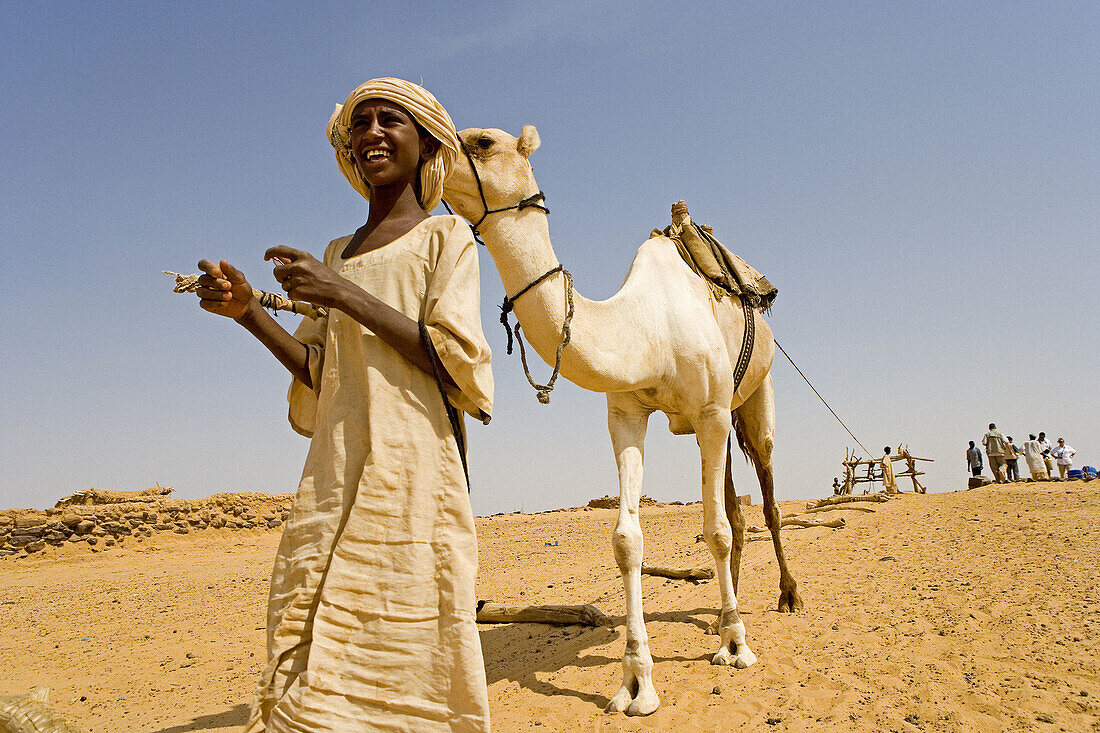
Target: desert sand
(966, 611)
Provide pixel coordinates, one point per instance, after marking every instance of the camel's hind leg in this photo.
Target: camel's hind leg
(755, 426)
(627, 424)
(712, 431)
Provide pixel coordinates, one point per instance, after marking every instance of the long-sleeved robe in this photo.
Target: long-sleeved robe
(371, 613)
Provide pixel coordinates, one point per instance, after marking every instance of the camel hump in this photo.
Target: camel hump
(725, 272)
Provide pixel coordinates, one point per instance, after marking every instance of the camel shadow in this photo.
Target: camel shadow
(551, 649)
(235, 717)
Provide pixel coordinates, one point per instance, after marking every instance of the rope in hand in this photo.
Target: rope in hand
(271, 301)
(543, 390)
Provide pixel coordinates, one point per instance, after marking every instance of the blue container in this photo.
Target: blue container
(1074, 473)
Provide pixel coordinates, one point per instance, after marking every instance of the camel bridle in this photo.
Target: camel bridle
(534, 201)
(531, 202)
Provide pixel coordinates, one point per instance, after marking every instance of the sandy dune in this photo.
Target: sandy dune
(967, 611)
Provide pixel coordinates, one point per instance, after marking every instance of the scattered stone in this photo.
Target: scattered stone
(35, 546)
(30, 520)
(716, 691)
(181, 530)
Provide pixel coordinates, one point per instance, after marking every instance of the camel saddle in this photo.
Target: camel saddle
(724, 272)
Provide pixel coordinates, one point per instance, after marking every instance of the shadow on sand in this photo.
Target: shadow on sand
(235, 717)
(549, 649)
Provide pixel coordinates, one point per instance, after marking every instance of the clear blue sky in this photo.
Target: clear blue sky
(921, 181)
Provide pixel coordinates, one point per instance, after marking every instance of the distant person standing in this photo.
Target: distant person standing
(974, 459)
(1036, 463)
(994, 444)
(1011, 456)
(1064, 455)
(889, 484)
(1045, 445)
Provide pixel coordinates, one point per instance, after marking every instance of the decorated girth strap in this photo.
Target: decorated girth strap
(725, 274)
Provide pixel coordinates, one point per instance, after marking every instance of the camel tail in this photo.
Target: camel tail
(742, 440)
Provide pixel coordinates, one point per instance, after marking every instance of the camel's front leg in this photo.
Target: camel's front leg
(712, 433)
(627, 424)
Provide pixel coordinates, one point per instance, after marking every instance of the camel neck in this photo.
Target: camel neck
(519, 243)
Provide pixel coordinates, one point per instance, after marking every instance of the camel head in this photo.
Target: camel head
(501, 160)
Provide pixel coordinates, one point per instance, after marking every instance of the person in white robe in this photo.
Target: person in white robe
(1033, 454)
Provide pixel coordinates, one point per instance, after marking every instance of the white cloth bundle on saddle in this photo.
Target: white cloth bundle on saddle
(725, 272)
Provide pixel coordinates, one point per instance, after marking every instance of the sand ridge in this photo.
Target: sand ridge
(971, 610)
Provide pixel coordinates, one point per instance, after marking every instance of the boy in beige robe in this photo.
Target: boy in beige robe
(371, 617)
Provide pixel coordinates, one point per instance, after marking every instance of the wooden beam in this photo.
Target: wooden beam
(845, 499)
(836, 522)
(837, 508)
(679, 573)
(497, 613)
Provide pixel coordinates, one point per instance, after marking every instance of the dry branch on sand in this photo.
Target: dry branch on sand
(845, 499)
(700, 573)
(497, 613)
(835, 523)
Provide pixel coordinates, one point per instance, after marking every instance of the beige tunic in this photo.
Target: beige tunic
(371, 614)
(888, 481)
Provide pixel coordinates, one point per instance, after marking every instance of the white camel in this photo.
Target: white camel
(662, 343)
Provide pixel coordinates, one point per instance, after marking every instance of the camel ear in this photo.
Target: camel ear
(528, 141)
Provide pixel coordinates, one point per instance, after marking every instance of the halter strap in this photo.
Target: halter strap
(531, 202)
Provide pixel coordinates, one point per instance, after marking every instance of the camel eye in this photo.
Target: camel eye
(485, 143)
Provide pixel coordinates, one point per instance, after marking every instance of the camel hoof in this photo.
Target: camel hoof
(619, 702)
(712, 630)
(744, 658)
(644, 705)
(790, 602)
(722, 658)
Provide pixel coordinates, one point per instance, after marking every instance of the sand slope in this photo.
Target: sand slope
(973, 610)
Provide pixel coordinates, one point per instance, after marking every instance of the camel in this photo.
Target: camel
(662, 343)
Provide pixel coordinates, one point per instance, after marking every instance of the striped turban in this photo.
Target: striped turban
(427, 112)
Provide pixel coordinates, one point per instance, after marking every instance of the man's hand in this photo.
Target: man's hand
(223, 289)
(305, 278)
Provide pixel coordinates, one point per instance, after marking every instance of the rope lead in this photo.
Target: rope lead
(542, 391)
